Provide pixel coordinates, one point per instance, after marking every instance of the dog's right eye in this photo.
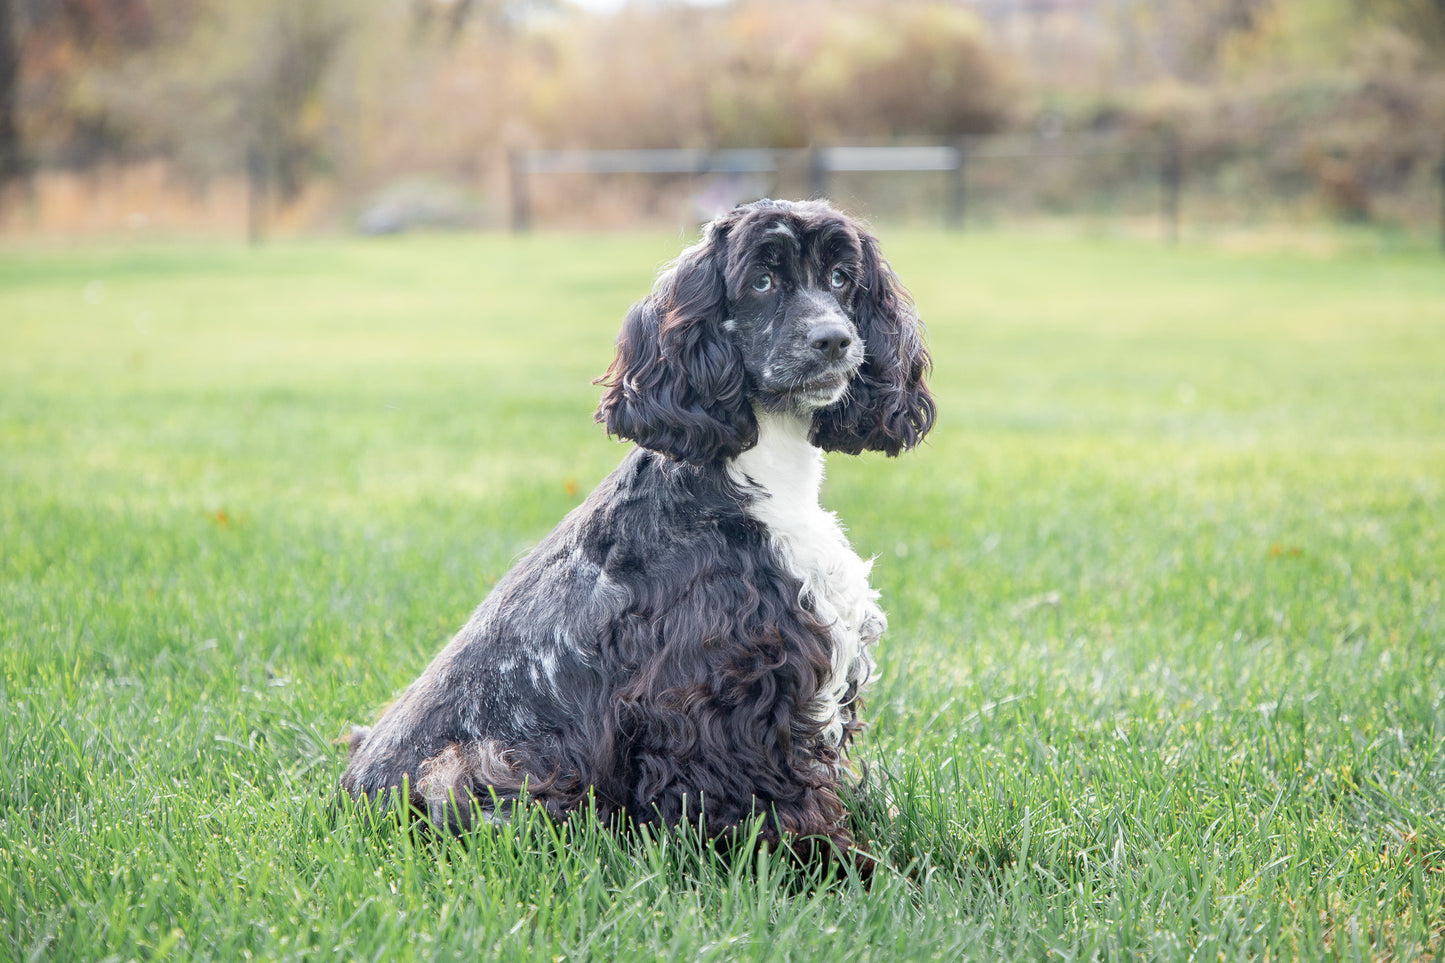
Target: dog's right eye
(763, 283)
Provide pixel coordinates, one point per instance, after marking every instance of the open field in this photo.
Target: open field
(1165, 674)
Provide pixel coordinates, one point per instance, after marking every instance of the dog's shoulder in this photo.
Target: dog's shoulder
(653, 510)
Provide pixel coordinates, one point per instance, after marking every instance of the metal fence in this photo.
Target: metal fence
(973, 179)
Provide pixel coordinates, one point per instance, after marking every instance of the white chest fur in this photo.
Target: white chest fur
(785, 472)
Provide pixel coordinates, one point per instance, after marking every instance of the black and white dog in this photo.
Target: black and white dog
(690, 643)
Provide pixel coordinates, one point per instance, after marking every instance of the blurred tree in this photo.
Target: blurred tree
(761, 74)
(450, 14)
(57, 44)
(279, 101)
(200, 81)
(280, 90)
(374, 92)
(917, 70)
(1422, 19)
(1215, 23)
(10, 158)
(451, 17)
(216, 88)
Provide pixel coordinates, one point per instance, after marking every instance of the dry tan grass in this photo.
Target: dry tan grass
(148, 198)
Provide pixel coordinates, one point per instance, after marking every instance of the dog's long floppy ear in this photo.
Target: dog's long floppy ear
(888, 407)
(678, 384)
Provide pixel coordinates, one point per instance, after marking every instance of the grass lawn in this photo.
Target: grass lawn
(1165, 675)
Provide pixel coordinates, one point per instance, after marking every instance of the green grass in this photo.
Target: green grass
(1165, 667)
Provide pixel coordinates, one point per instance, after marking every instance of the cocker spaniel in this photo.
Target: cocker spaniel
(691, 642)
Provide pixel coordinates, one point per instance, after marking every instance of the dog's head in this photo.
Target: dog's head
(784, 306)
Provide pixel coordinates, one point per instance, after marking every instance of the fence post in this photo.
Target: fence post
(817, 173)
(1171, 179)
(956, 213)
(1442, 197)
(258, 194)
(517, 181)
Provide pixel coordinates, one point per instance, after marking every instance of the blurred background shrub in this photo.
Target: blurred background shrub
(202, 115)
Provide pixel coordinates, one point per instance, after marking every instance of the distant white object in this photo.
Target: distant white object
(419, 203)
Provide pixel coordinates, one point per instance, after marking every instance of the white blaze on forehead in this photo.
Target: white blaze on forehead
(777, 227)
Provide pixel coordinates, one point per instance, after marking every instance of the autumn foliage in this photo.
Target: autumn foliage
(1330, 105)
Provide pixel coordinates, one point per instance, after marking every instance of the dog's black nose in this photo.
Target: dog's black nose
(830, 340)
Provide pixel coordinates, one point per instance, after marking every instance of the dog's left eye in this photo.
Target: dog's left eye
(763, 283)
(839, 278)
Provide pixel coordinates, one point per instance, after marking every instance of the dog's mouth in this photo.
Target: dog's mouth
(817, 390)
(803, 384)
(832, 385)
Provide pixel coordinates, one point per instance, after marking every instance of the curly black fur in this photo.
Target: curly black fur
(658, 652)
